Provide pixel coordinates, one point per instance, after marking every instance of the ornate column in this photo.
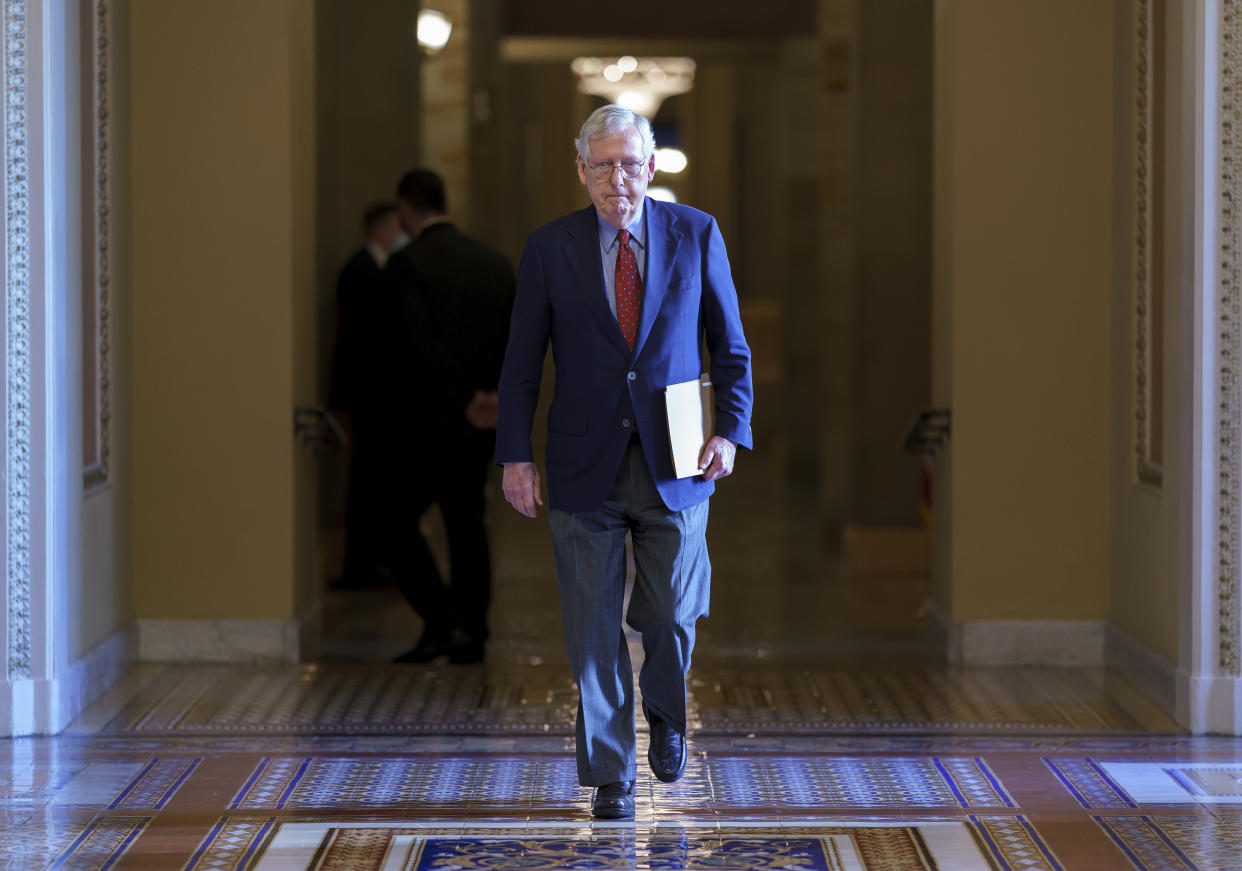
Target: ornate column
(64, 634)
(1209, 686)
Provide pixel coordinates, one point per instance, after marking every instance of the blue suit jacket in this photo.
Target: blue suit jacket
(688, 295)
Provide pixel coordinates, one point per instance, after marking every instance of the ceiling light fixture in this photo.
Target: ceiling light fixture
(434, 29)
(671, 160)
(637, 83)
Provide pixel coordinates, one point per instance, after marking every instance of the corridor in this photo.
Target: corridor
(823, 736)
(1019, 217)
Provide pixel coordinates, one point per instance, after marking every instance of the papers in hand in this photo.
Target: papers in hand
(689, 406)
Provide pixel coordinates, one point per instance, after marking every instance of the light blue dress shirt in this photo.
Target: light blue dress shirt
(608, 250)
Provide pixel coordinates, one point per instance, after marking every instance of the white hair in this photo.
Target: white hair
(610, 119)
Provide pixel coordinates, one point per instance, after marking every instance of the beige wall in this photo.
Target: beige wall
(944, 15)
(1023, 170)
(367, 127)
(221, 256)
(892, 301)
(537, 113)
(302, 251)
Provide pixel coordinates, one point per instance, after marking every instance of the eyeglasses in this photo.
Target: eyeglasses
(603, 171)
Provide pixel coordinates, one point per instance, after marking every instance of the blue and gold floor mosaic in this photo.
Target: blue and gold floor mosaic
(315, 789)
(974, 844)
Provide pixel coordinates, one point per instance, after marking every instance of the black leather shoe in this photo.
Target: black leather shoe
(433, 645)
(614, 801)
(467, 653)
(666, 753)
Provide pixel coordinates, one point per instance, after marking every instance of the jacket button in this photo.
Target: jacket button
(631, 376)
(626, 423)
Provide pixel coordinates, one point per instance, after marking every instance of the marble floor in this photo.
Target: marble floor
(822, 733)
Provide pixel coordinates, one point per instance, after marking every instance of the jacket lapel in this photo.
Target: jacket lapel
(582, 252)
(663, 240)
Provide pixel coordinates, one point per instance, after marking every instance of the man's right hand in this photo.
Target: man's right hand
(521, 486)
(482, 411)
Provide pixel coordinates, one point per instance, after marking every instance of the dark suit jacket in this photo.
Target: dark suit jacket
(358, 308)
(601, 385)
(450, 298)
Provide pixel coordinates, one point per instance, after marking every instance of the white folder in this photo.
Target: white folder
(690, 406)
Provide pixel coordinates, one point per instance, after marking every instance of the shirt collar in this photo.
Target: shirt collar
(637, 228)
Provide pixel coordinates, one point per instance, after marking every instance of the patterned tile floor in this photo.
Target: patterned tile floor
(882, 766)
(877, 802)
(821, 738)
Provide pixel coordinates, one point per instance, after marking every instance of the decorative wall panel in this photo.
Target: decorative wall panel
(17, 339)
(1148, 260)
(96, 276)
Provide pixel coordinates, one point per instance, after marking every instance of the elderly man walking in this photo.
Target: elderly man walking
(625, 290)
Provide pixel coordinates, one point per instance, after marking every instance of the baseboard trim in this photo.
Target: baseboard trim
(94, 674)
(45, 706)
(1052, 643)
(276, 640)
(1147, 671)
(1209, 705)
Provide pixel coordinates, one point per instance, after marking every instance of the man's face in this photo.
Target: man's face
(617, 198)
(387, 231)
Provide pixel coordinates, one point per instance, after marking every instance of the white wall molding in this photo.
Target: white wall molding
(41, 686)
(17, 256)
(1209, 705)
(273, 640)
(1209, 685)
(47, 706)
(93, 675)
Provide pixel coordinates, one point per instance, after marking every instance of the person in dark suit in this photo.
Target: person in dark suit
(624, 290)
(353, 389)
(450, 300)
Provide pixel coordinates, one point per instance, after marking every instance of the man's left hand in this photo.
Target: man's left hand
(716, 461)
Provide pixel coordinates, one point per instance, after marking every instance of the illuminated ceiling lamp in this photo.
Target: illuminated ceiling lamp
(671, 160)
(434, 29)
(637, 83)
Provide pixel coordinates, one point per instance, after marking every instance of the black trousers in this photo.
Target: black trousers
(451, 473)
(365, 505)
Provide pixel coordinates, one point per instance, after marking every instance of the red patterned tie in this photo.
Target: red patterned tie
(629, 289)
